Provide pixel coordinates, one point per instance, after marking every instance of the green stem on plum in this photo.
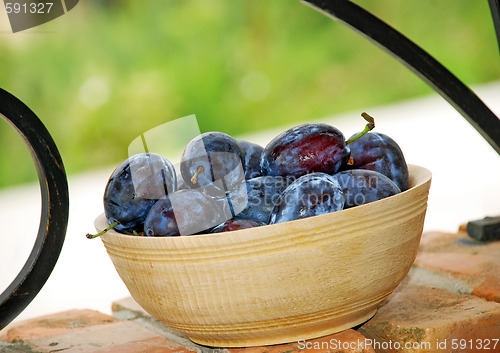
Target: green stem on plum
(199, 170)
(368, 127)
(144, 143)
(111, 226)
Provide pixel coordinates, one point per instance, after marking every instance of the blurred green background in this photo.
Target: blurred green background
(109, 70)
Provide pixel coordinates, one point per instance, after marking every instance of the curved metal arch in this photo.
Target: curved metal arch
(55, 208)
(461, 97)
(495, 13)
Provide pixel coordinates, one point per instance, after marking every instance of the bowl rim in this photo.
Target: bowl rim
(419, 177)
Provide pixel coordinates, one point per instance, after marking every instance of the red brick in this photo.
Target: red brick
(462, 228)
(348, 341)
(153, 345)
(489, 287)
(462, 265)
(54, 324)
(120, 336)
(88, 332)
(461, 257)
(457, 242)
(421, 317)
(94, 338)
(129, 304)
(128, 309)
(436, 240)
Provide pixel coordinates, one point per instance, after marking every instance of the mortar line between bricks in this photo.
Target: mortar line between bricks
(153, 324)
(422, 276)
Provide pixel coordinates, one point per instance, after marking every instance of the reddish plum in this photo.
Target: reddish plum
(304, 149)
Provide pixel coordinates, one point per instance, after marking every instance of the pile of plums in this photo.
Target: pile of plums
(225, 184)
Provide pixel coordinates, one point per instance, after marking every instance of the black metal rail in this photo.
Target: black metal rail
(495, 12)
(55, 205)
(462, 98)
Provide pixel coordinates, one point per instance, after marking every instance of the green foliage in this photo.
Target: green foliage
(110, 70)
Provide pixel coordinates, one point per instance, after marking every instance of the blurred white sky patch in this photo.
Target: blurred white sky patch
(94, 92)
(168, 139)
(255, 86)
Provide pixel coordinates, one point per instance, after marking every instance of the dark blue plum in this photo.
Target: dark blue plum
(134, 187)
(380, 153)
(310, 195)
(253, 154)
(262, 194)
(236, 224)
(185, 212)
(362, 186)
(305, 149)
(213, 158)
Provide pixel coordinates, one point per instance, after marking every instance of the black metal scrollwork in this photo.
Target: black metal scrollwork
(495, 12)
(461, 97)
(55, 206)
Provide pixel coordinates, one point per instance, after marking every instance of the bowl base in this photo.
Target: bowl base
(293, 332)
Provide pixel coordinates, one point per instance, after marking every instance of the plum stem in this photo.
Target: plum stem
(199, 170)
(144, 143)
(111, 226)
(370, 126)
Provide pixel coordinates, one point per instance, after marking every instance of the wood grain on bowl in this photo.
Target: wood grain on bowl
(278, 283)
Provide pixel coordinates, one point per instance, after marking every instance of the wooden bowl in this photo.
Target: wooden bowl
(278, 283)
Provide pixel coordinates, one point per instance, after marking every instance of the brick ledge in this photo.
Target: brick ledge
(451, 295)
